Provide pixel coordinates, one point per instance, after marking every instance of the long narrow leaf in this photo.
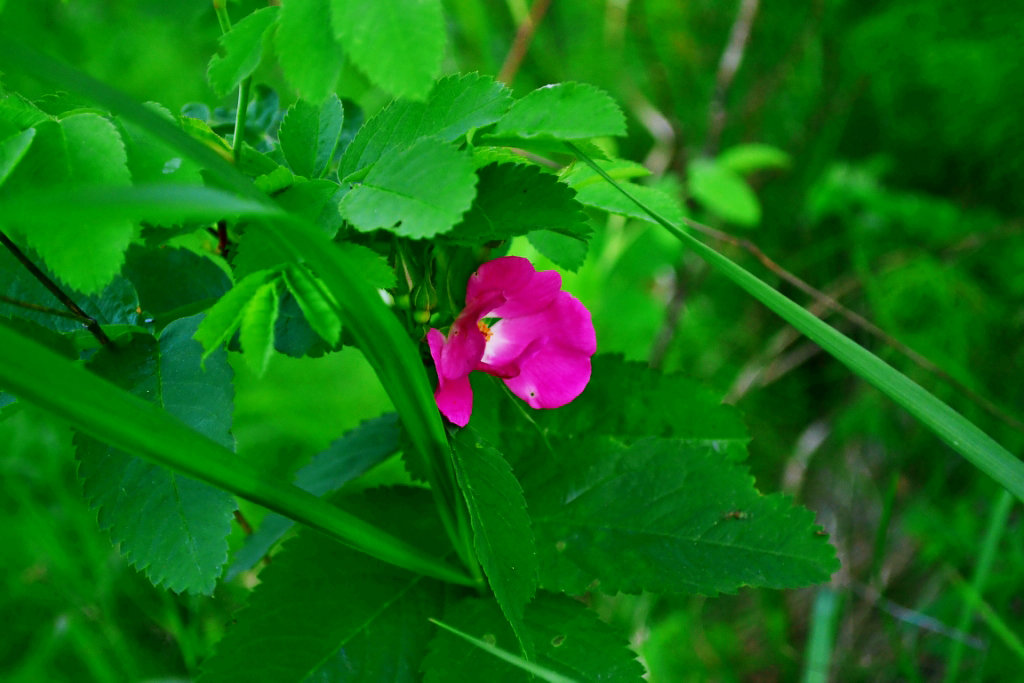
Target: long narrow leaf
(36, 374)
(950, 426)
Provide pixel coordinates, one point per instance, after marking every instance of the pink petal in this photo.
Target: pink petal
(565, 320)
(551, 350)
(551, 376)
(454, 399)
(523, 290)
(454, 395)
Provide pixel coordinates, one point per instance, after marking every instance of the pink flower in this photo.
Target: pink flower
(540, 346)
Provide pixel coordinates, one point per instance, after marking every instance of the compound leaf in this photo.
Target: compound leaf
(225, 316)
(256, 329)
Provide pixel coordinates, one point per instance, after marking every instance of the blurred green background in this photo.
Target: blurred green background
(901, 198)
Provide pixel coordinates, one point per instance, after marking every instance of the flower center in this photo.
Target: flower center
(482, 326)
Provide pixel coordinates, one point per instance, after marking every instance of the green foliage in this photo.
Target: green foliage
(307, 123)
(416, 192)
(397, 43)
(722, 191)
(80, 151)
(502, 535)
(455, 106)
(256, 327)
(571, 643)
(566, 111)
(704, 528)
(310, 55)
(171, 526)
(319, 597)
(243, 49)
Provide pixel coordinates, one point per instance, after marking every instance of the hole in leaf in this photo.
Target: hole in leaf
(557, 641)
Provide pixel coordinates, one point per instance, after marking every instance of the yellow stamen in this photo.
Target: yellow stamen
(482, 326)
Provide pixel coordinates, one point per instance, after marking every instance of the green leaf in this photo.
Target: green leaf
(158, 204)
(513, 199)
(572, 644)
(115, 305)
(226, 316)
(318, 596)
(564, 111)
(318, 310)
(316, 201)
(310, 56)
(309, 133)
(416, 192)
(591, 190)
(455, 106)
(151, 268)
(256, 329)
(628, 400)
(723, 192)
(12, 150)
(664, 516)
(243, 49)
(952, 428)
(751, 157)
(171, 526)
(562, 250)
(151, 160)
(81, 150)
(345, 459)
(502, 535)
(96, 407)
(399, 44)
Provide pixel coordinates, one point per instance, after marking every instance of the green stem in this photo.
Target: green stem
(220, 8)
(996, 526)
(950, 426)
(34, 373)
(243, 111)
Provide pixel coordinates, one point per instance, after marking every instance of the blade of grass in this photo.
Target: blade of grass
(36, 374)
(820, 642)
(989, 547)
(1000, 628)
(515, 660)
(955, 430)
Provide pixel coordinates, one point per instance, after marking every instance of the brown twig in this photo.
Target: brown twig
(860, 321)
(521, 43)
(39, 308)
(80, 315)
(728, 65)
(243, 522)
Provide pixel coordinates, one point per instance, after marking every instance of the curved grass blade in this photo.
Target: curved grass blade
(515, 660)
(36, 374)
(954, 429)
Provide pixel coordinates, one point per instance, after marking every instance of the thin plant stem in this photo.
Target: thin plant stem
(521, 43)
(821, 640)
(243, 111)
(996, 527)
(90, 323)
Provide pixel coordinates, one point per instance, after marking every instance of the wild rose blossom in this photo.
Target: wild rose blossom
(540, 346)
